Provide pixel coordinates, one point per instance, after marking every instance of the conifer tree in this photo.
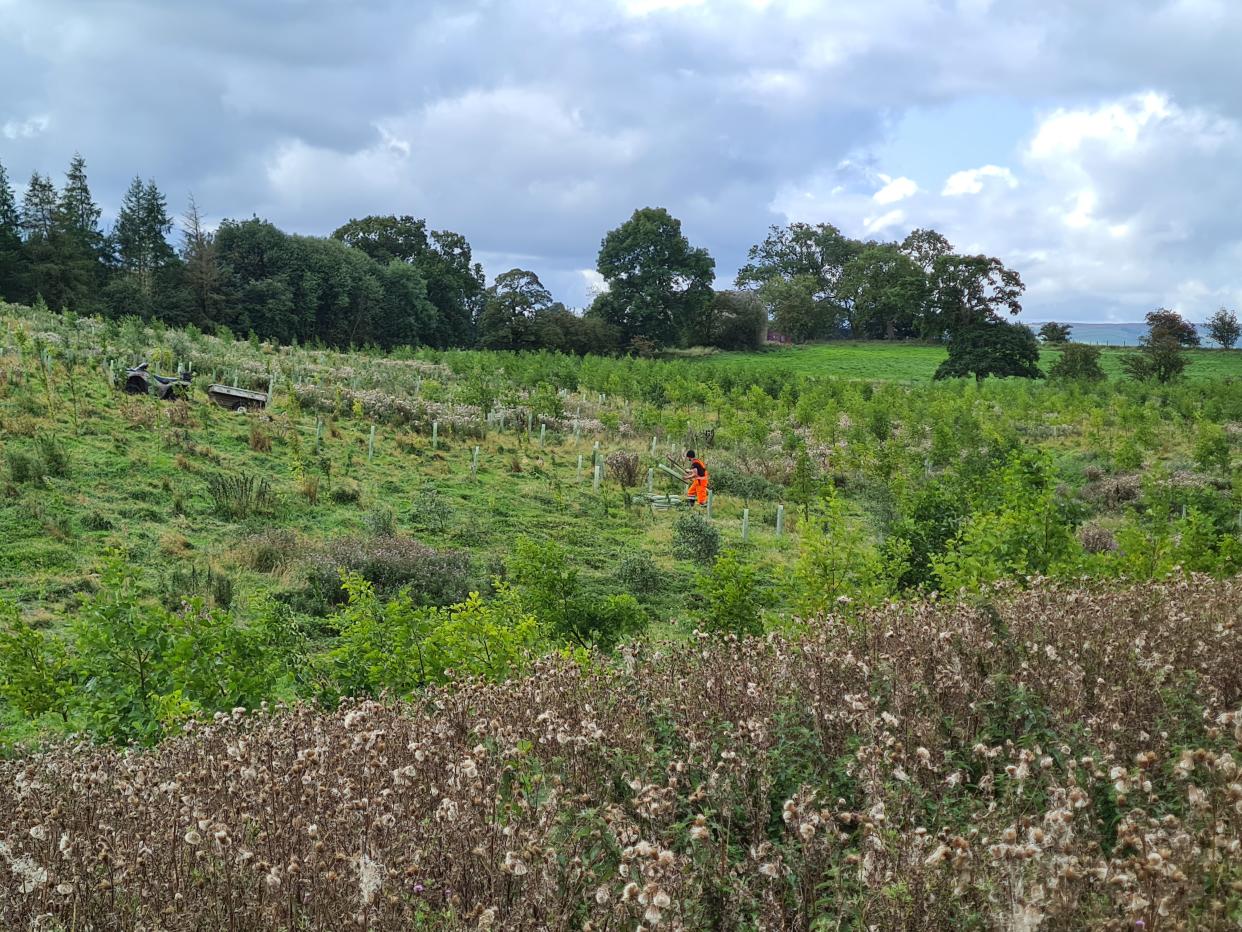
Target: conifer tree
(10, 241)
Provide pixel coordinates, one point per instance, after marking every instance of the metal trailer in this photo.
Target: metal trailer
(237, 399)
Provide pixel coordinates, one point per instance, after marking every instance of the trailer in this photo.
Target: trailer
(237, 399)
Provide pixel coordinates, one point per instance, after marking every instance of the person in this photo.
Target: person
(696, 475)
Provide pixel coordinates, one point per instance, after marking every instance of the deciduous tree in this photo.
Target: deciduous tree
(659, 286)
(994, 348)
(1222, 327)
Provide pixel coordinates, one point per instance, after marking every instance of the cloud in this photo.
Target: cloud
(895, 189)
(25, 129)
(1106, 177)
(972, 180)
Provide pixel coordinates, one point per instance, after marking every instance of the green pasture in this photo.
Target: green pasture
(912, 362)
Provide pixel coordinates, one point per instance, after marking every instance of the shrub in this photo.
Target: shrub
(430, 511)
(1096, 539)
(381, 522)
(695, 538)
(53, 456)
(639, 575)
(1128, 457)
(550, 589)
(270, 550)
(397, 647)
(347, 493)
(182, 583)
(623, 467)
(1078, 362)
(239, 495)
(23, 467)
(1212, 448)
(389, 564)
(732, 597)
(260, 440)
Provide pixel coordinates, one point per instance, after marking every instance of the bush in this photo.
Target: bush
(1096, 539)
(695, 538)
(430, 511)
(550, 589)
(623, 467)
(389, 564)
(639, 575)
(728, 480)
(381, 522)
(732, 596)
(55, 459)
(47, 459)
(239, 496)
(1078, 362)
(23, 467)
(269, 551)
(1212, 448)
(347, 493)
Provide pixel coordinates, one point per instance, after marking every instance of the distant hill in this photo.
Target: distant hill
(1112, 334)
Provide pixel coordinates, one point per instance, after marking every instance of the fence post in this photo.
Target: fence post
(780, 520)
(435, 435)
(745, 525)
(595, 452)
(599, 474)
(530, 421)
(318, 433)
(576, 431)
(579, 478)
(474, 463)
(543, 429)
(650, 480)
(371, 445)
(709, 504)
(653, 441)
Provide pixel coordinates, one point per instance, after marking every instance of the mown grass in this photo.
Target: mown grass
(912, 362)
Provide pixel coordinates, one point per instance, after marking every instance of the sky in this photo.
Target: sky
(1090, 144)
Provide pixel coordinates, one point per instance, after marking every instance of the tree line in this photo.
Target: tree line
(391, 281)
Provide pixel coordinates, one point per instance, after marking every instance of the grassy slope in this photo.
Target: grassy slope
(135, 483)
(914, 362)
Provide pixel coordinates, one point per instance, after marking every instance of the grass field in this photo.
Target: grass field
(917, 361)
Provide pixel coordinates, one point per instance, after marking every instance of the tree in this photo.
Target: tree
(11, 260)
(1161, 359)
(659, 286)
(967, 291)
(996, 348)
(509, 310)
(794, 308)
(78, 243)
(883, 291)
(924, 247)
(202, 274)
(1054, 333)
(141, 236)
(38, 225)
(738, 321)
(1222, 327)
(1164, 324)
(1078, 363)
(454, 282)
(819, 251)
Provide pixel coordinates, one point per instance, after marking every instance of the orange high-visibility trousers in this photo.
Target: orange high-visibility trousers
(698, 490)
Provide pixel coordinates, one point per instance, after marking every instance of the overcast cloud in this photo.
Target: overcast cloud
(1090, 145)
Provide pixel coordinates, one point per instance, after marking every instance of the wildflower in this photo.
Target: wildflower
(601, 895)
(769, 869)
(630, 892)
(193, 838)
(652, 915)
(513, 864)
